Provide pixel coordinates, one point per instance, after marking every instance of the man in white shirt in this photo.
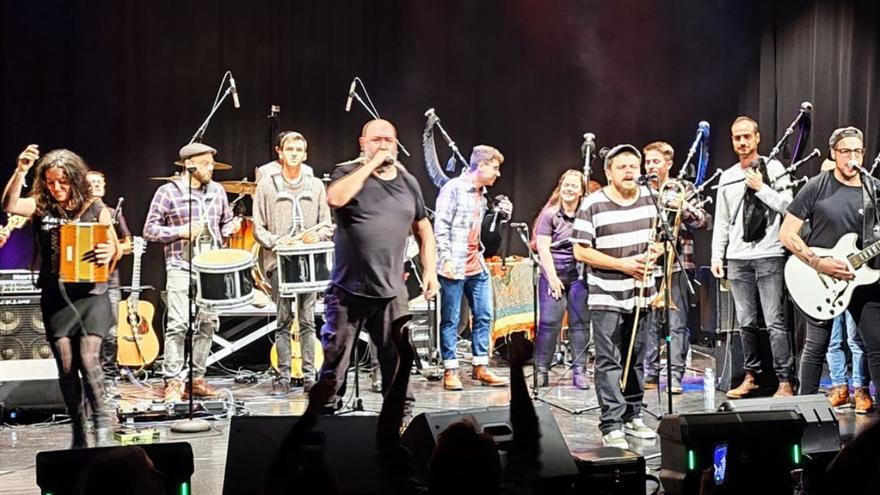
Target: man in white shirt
(746, 233)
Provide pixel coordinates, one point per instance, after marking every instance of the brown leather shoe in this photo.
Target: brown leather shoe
(451, 381)
(200, 388)
(745, 388)
(863, 401)
(839, 396)
(784, 389)
(486, 377)
(173, 391)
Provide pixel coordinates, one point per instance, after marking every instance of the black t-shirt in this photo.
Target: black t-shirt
(832, 208)
(371, 234)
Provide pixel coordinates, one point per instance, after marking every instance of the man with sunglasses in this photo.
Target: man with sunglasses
(837, 202)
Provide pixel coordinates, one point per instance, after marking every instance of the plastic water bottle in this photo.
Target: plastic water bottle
(709, 389)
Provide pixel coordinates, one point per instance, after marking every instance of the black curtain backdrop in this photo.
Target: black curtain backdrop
(125, 84)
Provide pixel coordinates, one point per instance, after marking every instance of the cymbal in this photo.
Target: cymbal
(217, 165)
(169, 178)
(243, 186)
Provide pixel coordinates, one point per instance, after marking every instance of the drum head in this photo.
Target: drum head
(223, 258)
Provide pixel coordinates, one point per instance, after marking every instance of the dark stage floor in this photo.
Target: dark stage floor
(19, 445)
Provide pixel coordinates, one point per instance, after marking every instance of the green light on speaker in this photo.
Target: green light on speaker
(184, 488)
(796, 454)
(692, 460)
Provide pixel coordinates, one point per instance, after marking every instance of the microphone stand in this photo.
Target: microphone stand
(664, 314)
(446, 138)
(788, 132)
(190, 425)
(218, 100)
(524, 235)
(372, 111)
(587, 151)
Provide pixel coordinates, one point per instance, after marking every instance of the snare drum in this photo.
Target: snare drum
(304, 268)
(224, 279)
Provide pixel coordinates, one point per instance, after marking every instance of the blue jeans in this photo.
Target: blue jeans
(574, 298)
(478, 292)
(761, 278)
(678, 331)
(836, 357)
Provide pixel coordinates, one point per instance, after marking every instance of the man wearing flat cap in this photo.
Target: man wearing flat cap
(168, 222)
(837, 202)
(611, 235)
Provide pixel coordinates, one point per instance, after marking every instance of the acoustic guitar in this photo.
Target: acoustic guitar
(296, 371)
(137, 343)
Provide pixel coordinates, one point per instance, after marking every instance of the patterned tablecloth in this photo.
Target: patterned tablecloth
(512, 293)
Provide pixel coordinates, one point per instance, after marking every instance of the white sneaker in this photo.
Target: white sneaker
(637, 428)
(615, 438)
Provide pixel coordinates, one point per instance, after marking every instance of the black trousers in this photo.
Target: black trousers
(865, 310)
(344, 315)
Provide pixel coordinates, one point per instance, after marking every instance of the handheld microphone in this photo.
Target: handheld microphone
(235, 101)
(853, 164)
(350, 95)
(644, 179)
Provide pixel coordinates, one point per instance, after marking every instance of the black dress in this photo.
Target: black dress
(69, 309)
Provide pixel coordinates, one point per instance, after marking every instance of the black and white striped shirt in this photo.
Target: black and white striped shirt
(618, 231)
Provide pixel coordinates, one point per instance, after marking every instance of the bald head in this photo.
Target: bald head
(378, 135)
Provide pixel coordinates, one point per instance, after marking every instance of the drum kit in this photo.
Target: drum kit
(226, 278)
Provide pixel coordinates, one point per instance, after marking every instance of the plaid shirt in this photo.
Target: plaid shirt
(460, 208)
(169, 214)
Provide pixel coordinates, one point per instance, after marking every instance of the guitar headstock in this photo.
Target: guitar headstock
(15, 222)
(139, 245)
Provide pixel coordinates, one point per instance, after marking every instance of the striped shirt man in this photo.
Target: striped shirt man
(618, 231)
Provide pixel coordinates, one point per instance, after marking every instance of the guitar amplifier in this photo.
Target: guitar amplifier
(18, 282)
(22, 335)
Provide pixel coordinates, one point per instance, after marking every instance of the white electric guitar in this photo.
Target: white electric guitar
(824, 297)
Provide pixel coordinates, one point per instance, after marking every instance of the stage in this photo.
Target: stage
(19, 444)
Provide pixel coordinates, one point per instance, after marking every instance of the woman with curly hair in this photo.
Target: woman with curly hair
(76, 316)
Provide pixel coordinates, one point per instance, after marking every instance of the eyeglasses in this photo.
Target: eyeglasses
(849, 152)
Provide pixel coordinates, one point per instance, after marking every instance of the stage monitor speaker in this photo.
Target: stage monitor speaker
(22, 335)
(822, 433)
(752, 451)
(609, 471)
(59, 471)
(556, 460)
(346, 445)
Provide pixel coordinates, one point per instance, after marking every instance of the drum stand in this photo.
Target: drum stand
(190, 425)
(524, 234)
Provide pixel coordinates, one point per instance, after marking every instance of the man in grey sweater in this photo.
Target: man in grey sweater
(748, 213)
(287, 206)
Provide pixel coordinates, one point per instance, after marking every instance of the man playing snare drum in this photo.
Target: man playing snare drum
(291, 207)
(168, 222)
